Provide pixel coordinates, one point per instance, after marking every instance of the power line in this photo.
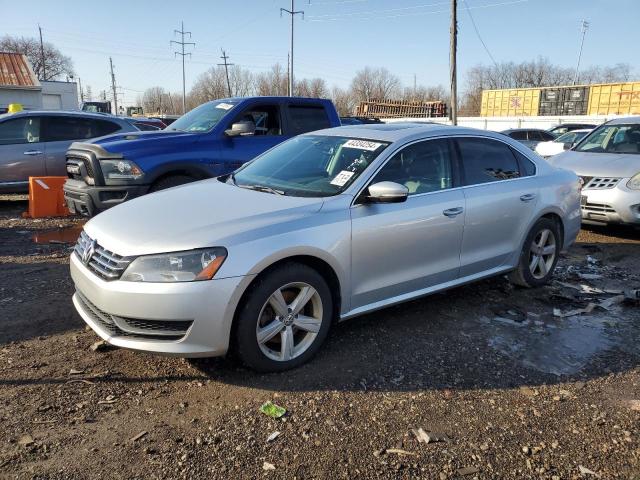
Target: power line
(475, 27)
(389, 10)
(182, 43)
(292, 13)
(367, 16)
(224, 57)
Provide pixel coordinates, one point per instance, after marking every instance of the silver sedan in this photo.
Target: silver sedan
(323, 227)
(608, 162)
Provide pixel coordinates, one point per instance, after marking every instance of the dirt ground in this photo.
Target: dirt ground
(506, 388)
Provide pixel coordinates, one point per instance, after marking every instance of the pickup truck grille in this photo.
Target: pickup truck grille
(74, 167)
(104, 263)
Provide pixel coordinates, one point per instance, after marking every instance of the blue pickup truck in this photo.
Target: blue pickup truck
(211, 140)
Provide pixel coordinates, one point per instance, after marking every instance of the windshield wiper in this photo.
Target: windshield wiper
(261, 188)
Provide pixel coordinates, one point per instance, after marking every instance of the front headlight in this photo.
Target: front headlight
(189, 266)
(120, 170)
(634, 183)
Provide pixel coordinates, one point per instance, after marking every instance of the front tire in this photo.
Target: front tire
(539, 255)
(284, 320)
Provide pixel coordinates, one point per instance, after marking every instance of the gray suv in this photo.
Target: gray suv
(34, 143)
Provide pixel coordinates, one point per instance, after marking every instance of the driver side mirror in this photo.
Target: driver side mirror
(387, 192)
(241, 128)
(568, 145)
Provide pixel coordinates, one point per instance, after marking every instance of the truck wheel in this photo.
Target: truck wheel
(284, 320)
(539, 255)
(171, 181)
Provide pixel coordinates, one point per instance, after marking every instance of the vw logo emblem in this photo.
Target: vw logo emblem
(88, 251)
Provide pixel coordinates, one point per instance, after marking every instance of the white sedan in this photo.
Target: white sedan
(560, 144)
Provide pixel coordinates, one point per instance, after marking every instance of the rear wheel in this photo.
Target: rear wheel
(539, 255)
(284, 320)
(171, 181)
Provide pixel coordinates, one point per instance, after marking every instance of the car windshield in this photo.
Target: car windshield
(612, 139)
(309, 166)
(570, 137)
(204, 117)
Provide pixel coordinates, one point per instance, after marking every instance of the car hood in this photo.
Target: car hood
(157, 140)
(208, 213)
(598, 164)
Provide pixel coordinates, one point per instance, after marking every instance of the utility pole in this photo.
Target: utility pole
(113, 86)
(452, 62)
(182, 43)
(44, 68)
(293, 13)
(224, 57)
(81, 92)
(583, 30)
(289, 93)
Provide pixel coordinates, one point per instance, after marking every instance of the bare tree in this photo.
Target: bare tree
(56, 64)
(157, 100)
(344, 101)
(273, 82)
(314, 88)
(375, 84)
(425, 94)
(242, 81)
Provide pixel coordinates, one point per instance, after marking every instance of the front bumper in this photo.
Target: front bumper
(206, 307)
(611, 205)
(89, 200)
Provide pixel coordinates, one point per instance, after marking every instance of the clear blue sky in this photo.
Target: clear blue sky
(336, 38)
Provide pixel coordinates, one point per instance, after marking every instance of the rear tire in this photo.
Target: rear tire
(171, 181)
(284, 320)
(539, 255)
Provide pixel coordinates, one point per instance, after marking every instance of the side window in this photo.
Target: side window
(20, 130)
(519, 135)
(307, 119)
(265, 117)
(535, 136)
(527, 167)
(546, 136)
(103, 127)
(485, 160)
(66, 128)
(422, 167)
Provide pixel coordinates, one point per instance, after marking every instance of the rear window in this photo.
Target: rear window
(519, 135)
(307, 119)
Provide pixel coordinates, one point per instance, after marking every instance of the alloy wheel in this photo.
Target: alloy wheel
(289, 321)
(542, 253)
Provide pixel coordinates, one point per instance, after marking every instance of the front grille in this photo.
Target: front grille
(117, 326)
(600, 208)
(600, 183)
(104, 263)
(80, 161)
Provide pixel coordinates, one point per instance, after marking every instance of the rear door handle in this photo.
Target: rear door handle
(453, 212)
(33, 152)
(527, 197)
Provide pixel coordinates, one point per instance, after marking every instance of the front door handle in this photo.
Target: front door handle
(453, 212)
(33, 152)
(527, 197)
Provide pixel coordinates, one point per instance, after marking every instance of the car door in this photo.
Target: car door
(61, 130)
(269, 132)
(501, 193)
(400, 248)
(21, 151)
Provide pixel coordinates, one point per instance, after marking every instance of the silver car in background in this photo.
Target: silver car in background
(323, 227)
(608, 163)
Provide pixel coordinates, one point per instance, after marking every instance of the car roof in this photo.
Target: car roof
(624, 120)
(66, 113)
(400, 131)
(509, 130)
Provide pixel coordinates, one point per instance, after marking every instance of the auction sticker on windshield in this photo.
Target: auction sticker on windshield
(342, 178)
(362, 145)
(224, 106)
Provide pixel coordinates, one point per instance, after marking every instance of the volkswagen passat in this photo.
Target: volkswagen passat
(324, 227)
